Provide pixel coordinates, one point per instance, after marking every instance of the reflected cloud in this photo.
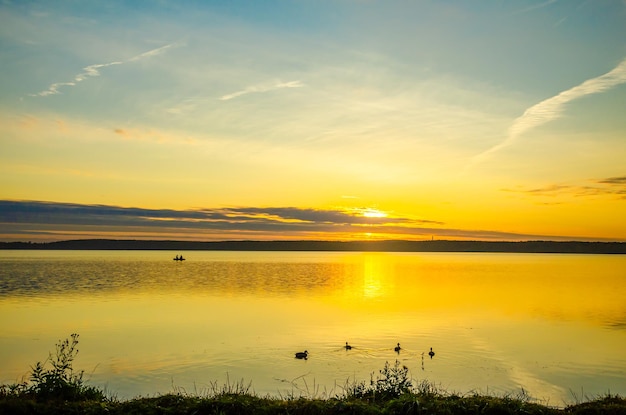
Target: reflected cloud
(529, 383)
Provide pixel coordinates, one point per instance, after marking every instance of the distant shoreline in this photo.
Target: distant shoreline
(565, 247)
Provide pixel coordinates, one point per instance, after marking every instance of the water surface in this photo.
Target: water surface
(552, 325)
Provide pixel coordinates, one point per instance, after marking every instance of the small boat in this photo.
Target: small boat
(179, 258)
(302, 355)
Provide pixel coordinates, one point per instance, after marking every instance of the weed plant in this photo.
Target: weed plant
(56, 379)
(391, 382)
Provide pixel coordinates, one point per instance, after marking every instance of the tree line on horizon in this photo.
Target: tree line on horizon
(575, 247)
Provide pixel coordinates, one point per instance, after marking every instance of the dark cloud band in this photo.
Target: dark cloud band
(50, 220)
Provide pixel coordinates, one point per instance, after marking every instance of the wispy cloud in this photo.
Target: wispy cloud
(552, 108)
(94, 70)
(535, 7)
(151, 53)
(611, 186)
(262, 88)
(614, 181)
(53, 89)
(88, 71)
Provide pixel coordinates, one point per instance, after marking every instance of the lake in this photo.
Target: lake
(551, 325)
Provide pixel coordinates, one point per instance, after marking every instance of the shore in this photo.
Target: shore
(238, 403)
(565, 247)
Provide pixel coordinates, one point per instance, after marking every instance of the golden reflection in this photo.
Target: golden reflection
(589, 288)
(501, 311)
(553, 287)
(377, 280)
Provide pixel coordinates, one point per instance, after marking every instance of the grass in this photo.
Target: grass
(55, 388)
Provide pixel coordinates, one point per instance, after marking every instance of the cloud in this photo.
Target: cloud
(93, 70)
(535, 7)
(262, 88)
(89, 71)
(322, 216)
(614, 180)
(552, 108)
(612, 186)
(69, 213)
(34, 219)
(53, 89)
(550, 190)
(151, 53)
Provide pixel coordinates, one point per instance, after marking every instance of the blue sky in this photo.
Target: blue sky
(503, 117)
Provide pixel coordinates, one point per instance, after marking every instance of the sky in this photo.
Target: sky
(302, 119)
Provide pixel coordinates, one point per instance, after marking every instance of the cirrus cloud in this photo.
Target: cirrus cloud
(94, 70)
(262, 88)
(552, 108)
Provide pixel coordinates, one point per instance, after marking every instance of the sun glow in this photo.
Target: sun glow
(374, 213)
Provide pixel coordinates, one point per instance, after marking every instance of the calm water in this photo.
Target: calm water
(553, 325)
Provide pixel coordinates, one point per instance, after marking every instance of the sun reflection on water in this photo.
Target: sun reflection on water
(546, 323)
(377, 280)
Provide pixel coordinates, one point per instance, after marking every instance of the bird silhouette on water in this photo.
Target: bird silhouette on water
(302, 355)
(347, 346)
(431, 353)
(397, 348)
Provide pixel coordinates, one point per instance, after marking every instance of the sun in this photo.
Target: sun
(374, 213)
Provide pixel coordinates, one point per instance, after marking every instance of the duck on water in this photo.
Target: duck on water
(302, 355)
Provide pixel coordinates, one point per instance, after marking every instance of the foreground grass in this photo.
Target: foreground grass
(407, 403)
(54, 388)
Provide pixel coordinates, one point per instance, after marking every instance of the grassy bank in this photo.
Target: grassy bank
(407, 403)
(55, 388)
